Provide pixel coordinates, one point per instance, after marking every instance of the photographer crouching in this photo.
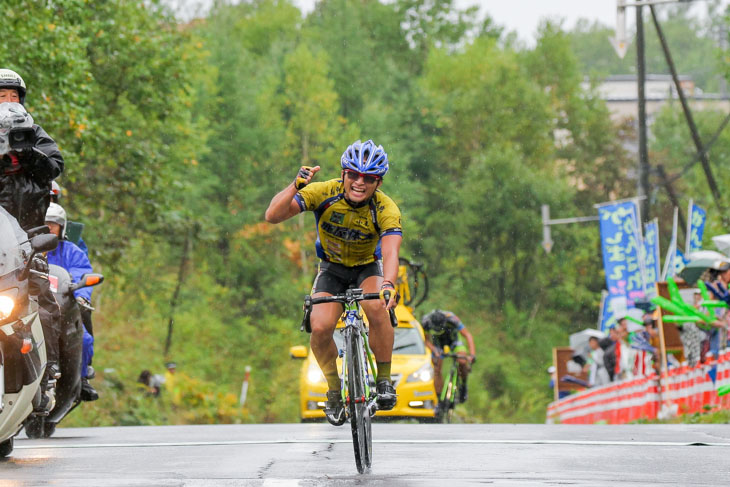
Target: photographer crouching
(29, 162)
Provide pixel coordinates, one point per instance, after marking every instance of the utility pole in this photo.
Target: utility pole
(643, 181)
(701, 151)
(619, 43)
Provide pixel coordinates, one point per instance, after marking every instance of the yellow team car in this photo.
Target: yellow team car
(412, 374)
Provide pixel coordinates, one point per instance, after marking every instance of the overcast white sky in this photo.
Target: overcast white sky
(522, 16)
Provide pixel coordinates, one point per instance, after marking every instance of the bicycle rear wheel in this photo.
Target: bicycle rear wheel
(358, 403)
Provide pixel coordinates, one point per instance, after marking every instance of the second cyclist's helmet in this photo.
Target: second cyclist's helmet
(11, 79)
(366, 158)
(435, 320)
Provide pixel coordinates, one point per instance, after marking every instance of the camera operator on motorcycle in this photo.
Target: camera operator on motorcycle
(69, 256)
(29, 162)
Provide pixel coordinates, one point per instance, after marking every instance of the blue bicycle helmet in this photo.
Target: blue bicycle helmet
(365, 158)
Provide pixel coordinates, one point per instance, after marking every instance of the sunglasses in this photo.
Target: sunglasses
(368, 178)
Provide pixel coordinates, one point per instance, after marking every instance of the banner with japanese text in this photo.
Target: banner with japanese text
(697, 217)
(622, 255)
(651, 254)
(612, 309)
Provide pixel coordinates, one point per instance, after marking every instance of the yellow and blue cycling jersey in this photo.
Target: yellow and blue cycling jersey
(346, 234)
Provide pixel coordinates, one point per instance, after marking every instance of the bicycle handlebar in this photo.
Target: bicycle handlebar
(349, 296)
(457, 355)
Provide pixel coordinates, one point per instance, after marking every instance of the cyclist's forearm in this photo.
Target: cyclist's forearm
(390, 247)
(281, 206)
(469, 341)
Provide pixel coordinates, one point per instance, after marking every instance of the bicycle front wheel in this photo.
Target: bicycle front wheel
(447, 404)
(358, 403)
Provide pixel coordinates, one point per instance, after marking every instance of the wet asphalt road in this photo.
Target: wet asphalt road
(404, 455)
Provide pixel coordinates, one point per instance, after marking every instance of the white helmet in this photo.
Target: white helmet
(11, 79)
(12, 115)
(56, 190)
(56, 214)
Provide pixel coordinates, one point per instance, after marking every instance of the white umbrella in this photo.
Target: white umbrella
(707, 254)
(636, 315)
(632, 327)
(722, 242)
(579, 340)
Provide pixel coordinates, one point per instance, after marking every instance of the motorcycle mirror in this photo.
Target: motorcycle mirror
(44, 242)
(38, 231)
(87, 280)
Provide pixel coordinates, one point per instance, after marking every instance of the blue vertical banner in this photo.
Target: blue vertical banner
(621, 244)
(696, 217)
(613, 308)
(679, 262)
(651, 254)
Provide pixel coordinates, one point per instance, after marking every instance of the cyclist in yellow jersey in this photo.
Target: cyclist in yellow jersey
(358, 241)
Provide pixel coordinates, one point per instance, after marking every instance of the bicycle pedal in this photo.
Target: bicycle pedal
(372, 408)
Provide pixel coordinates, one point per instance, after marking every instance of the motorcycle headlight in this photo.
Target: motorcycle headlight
(423, 374)
(314, 373)
(6, 306)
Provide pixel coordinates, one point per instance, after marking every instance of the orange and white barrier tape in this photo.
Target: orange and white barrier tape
(684, 390)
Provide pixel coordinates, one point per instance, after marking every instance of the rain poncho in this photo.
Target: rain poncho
(69, 256)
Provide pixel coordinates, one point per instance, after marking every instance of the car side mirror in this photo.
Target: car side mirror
(298, 352)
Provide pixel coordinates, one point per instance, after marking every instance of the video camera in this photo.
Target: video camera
(16, 128)
(21, 138)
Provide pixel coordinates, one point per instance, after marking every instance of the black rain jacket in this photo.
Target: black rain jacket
(25, 180)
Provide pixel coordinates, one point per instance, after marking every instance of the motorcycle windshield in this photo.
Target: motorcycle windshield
(11, 236)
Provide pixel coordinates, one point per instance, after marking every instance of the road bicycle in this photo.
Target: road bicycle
(412, 282)
(358, 368)
(449, 397)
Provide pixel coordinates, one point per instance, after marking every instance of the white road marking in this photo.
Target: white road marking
(280, 482)
(53, 445)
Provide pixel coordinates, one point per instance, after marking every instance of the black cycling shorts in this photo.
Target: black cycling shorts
(336, 278)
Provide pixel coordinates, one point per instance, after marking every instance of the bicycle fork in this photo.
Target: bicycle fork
(368, 396)
(369, 379)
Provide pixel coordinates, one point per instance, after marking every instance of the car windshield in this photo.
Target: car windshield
(10, 237)
(407, 341)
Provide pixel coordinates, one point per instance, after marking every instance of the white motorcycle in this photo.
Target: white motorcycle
(22, 350)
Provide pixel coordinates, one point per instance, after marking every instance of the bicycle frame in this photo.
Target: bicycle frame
(355, 324)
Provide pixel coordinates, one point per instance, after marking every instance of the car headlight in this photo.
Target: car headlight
(314, 373)
(7, 303)
(423, 374)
